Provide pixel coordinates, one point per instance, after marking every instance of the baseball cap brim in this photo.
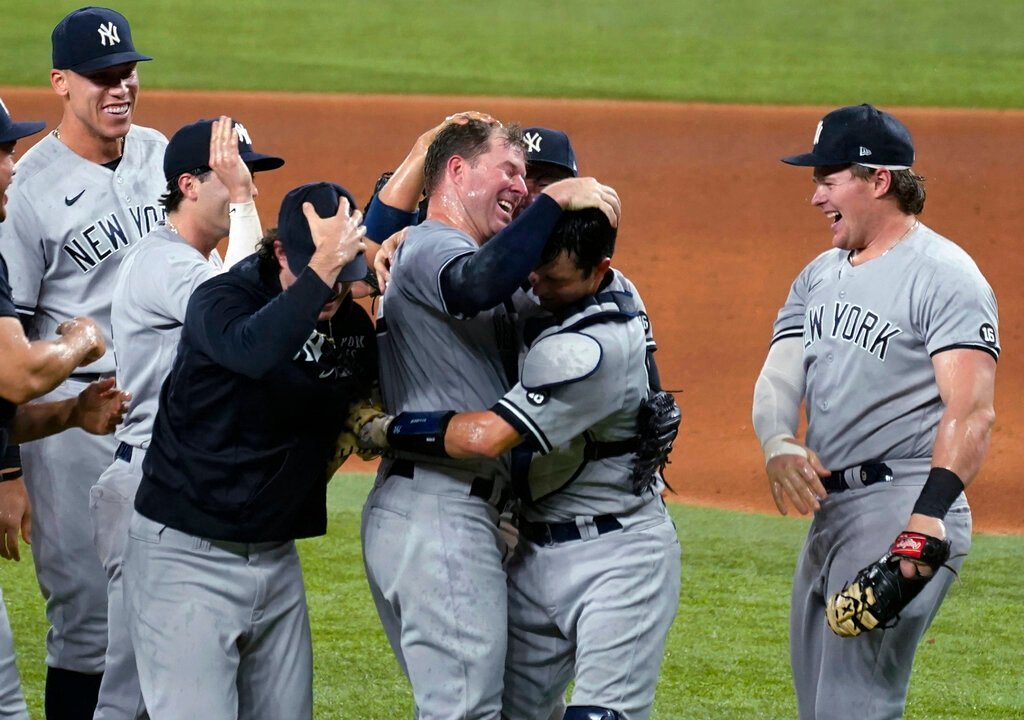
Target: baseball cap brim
(551, 163)
(355, 270)
(102, 63)
(258, 162)
(19, 130)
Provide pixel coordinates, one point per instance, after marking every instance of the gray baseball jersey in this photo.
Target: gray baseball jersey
(430, 541)
(869, 334)
(151, 293)
(881, 323)
(428, 358)
(71, 221)
(604, 622)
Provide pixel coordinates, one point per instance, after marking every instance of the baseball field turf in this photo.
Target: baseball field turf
(727, 654)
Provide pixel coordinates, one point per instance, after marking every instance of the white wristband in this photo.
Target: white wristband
(781, 445)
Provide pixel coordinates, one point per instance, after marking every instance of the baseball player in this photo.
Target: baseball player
(82, 196)
(31, 369)
(588, 518)
(890, 339)
(447, 340)
(208, 165)
(236, 469)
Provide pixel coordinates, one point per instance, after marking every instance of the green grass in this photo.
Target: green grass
(938, 53)
(727, 654)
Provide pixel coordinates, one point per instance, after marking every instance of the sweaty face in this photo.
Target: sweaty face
(560, 283)
(846, 201)
(6, 173)
(492, 187)
(104, 102)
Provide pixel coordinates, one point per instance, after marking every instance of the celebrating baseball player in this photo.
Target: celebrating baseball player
(448, 340)
(237, 468)
(592, 511)
(83, 194)
(208, 165)
(31, 369)
(890, 338)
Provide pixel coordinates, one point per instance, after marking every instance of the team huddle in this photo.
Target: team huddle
(171, 416)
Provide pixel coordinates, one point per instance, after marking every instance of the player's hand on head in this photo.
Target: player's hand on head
(458, 118)
(794, 479)
(338, 239)
(15, 517)
(586, 192)
(101, 407)
(226, 163)
(83, 332)
(384, 257)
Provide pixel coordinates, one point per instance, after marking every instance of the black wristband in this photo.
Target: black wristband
(939, 493)
(420, 432)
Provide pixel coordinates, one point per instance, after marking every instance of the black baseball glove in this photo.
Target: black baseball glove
(658, 420)
(879, 592)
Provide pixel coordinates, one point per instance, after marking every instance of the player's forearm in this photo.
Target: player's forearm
(963, 439)
(479, 434)
(34, 369)
(404, 189)
(41, 419)
(245, 232)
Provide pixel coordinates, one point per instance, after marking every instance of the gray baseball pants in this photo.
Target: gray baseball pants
(111, 504)
(433, 560)
(598, 610)
(870, 672)
(59, 472)
(220, 629)
(12, 701)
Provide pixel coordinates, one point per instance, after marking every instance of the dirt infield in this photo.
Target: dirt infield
(714, 230)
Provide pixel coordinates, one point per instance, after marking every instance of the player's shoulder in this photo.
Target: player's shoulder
(148, 136)
(433, 234)
(40, 159)
(940, 254)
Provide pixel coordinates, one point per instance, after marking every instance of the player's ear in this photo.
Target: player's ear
(186, 186)
(456, 166)
(279, 253)
(59, 82)
(881, 181)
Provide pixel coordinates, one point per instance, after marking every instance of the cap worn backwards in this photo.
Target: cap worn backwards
(552, 147)
(861, 135)
(91, 39)
(189, 150)
(11, 131)
(293, 228)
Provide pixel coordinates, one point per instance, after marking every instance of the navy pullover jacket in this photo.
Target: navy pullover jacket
(251, 409)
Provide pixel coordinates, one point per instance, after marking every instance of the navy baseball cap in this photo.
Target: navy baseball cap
(91, 39)
(859, 135)
(189, 150)
(293, 228)
(11, 131)
(544, 145)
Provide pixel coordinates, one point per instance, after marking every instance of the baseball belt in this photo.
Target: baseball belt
(858, 476)
(481, 487)
(541, 533)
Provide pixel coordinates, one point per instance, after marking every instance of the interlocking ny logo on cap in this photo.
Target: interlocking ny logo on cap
(243, 134)
(108, 34)
(532, 141)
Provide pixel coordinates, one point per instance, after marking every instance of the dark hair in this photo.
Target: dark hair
(172, 197)
(586, 235)
(269, 267)
(468, 141)
(906, 187)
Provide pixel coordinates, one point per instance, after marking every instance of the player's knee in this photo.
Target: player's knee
(589, 712)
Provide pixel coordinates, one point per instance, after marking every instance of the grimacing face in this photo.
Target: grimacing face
(559, 283)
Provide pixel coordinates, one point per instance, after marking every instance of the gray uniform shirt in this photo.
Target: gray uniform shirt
(869, 334)
(429, 358)
(71, 221)
(154, 283)
(557, 403)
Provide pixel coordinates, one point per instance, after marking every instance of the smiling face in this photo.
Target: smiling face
(560, 282)
(491, 187)
(850, 203)
(100, 104)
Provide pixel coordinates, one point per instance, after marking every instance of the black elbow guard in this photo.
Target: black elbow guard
(420, 432)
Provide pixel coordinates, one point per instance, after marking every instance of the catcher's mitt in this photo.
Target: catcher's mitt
(658, 420)
(879, 592)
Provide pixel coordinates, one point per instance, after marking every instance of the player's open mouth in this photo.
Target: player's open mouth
(506, 206)
(121, 109)
(834, 217)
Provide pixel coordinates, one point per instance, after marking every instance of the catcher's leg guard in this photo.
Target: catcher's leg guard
(589, 712)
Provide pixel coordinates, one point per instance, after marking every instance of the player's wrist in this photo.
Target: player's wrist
(940, 491)
(782, 444)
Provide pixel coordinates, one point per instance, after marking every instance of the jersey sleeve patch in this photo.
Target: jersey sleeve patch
(560, 359)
